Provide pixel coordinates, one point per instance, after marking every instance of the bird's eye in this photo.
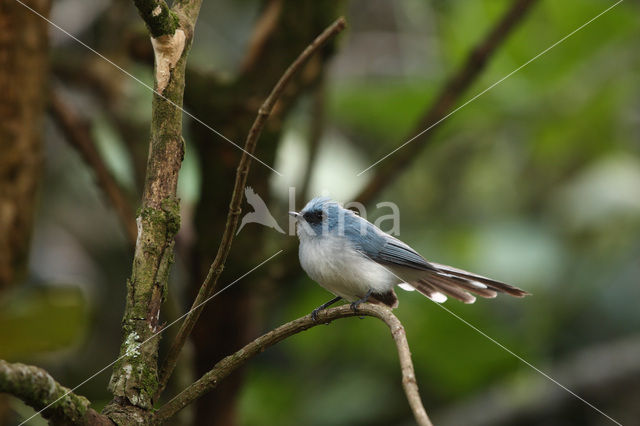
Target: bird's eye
(313, 216)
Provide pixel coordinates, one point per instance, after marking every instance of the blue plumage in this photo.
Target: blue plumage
(355, 260)
(365, 236)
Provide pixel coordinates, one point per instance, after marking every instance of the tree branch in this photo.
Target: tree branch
(229, 364)
(134, 380)
(209, 284)
(455, 87)
(79, 136)
(38, 389)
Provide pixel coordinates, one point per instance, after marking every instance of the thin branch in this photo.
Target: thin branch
(79, 136)
(265, 26)
(454, 89)
(315, 135)
(232, 362)
(38, 389)
(209, 284)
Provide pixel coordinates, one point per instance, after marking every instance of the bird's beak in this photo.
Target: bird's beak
(295, 214)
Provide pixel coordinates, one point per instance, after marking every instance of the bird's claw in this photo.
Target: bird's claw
(354, 305)
(314, 314)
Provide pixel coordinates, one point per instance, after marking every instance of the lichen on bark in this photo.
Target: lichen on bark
(135, 375)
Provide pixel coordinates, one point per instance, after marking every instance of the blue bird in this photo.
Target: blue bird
(356, 261)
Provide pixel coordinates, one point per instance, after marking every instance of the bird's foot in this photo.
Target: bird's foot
(354, 305)
(314, 313)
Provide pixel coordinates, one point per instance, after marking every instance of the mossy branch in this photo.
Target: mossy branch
(209, 284)
(38, 389)
(134, 380)
(158, 17)
(229, 364)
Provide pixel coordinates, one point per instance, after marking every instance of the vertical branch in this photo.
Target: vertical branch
(134, 379)
(208, 286)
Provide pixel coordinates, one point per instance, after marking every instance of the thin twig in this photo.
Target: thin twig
(232, 362)
(455, 87)
(77, 133)
(209, 284)
(266, 25)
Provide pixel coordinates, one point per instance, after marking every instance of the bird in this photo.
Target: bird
(260, 213)
(356, 261)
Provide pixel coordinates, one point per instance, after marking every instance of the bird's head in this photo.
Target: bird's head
(320, 216)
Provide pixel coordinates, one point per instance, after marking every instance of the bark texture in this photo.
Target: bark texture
(134, 380)
(39, 390)
(24, 65)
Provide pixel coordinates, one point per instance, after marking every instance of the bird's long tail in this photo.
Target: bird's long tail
(446, 281)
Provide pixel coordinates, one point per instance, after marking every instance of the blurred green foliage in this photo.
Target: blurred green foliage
(536, 182)
(38, 321)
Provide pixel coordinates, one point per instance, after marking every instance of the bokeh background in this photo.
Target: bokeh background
(536, 183)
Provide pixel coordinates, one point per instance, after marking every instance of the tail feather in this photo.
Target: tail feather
(450, 288)
(472, 278)
(430, 291)
(459, 284)
(480, 289)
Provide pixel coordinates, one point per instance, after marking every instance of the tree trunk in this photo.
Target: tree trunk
(24, 65)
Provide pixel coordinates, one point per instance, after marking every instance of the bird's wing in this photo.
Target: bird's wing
(396, 252)
(384, 248)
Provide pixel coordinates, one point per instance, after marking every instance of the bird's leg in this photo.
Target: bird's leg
(314, 313)
(354, 305)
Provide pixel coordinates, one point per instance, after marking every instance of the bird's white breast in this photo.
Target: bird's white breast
(332, 262)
